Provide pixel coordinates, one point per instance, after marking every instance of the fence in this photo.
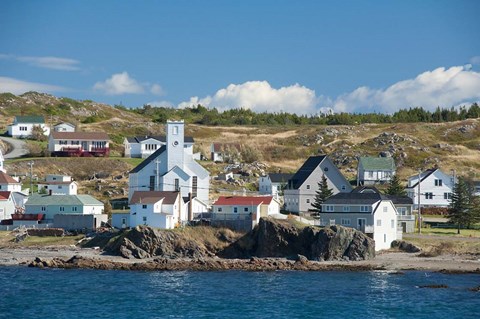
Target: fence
(239, 222)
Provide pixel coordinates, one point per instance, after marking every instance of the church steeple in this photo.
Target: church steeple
(175, 144)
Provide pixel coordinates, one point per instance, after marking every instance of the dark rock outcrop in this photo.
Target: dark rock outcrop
(145, 242)
(405, 246)
(274, 238)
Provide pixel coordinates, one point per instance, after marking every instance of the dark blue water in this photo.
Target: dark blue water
(54, 293)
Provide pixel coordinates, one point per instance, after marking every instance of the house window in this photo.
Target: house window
(59, 186)
(44, 208)
(364, 209)
(245, 209)
(329, 208)
(23, 128)
(308, 186)
(144, 206)
(428, 195)
(344, 187)
(447, 195)
(144, 219)
(346, 208)
(75, 142)
(124, 221)
(392, 223)
(194, 186)
(379, 222)
(152, 183)
(438, 182)
(175, 130)
(346, 221)
(62, 209)
(402, 211)
(308, 200)
(384, 238)
(235, 210)
(74, 208)
(219, 209)
(385, 209)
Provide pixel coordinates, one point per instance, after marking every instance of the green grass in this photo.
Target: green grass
(451, 232)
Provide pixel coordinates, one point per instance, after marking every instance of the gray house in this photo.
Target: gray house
(301, 188)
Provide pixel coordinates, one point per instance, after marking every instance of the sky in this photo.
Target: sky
(266, 55)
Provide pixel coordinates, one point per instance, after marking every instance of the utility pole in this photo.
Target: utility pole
(419, 209)
(31, 177)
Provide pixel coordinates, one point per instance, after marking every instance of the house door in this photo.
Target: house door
(361, 222)
(84, 146)
(404, 227)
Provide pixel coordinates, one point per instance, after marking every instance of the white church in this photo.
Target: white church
(172, 168)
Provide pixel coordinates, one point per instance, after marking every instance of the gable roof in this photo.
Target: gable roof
(405, 200)
(243, 200)
(148, 160)
(280, 177)
(304, 172)
(354, 198)
(151, 197)
(35, 119)
(80, 136)
(7, 179)
(5, 195)
(377, 163)
(160, 138)
(65, 123)
(66, 200)
(424, 175)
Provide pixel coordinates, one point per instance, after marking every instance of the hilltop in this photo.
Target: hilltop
(450, 145)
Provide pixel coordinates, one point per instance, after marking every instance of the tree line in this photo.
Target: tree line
(239, 116)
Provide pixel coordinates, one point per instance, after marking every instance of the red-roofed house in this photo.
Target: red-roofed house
(78, 144)
(244, 210)
(160, 209)
(8, 183)
(7, 205)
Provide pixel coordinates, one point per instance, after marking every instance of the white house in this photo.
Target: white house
(273, 183)
(372, 213)
(8, 183)
(64, 127)
(144, 146)
(22, 126)
(78, 144)
(373, 170)
(50, 205)
(301, 188)
(58, 185)
(228, 210)
(172, 168)
(218, 151)
(436, 188)
(194, 207)
(161, 209)
(403, 205)
(7, 205)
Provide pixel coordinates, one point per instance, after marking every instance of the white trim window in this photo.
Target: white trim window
(346, 221)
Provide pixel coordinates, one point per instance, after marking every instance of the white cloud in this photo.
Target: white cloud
(161, 104)
(19, 87)
(122, 83)
(440, 87)
(260, 96)
(47, 62)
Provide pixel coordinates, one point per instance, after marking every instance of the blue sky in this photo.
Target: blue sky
(295, 56)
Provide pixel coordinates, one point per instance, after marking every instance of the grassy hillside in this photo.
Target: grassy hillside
(452, 145)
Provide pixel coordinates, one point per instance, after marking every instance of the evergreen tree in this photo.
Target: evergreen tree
(395, 187)
(460, 206)
(322, 194)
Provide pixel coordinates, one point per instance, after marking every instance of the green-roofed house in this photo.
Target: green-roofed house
(375, 170)
(67, 211)
(22, 126)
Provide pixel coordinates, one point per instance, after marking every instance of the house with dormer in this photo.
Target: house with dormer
(22, 126)
(372, 213)
(436, 188)
(172, 168)
(300, 192)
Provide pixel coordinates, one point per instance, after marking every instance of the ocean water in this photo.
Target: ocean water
(58, 293)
